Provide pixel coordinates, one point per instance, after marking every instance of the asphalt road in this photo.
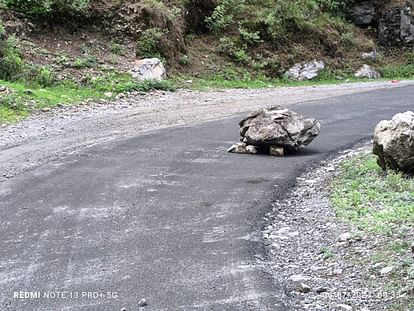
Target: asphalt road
(169, 216)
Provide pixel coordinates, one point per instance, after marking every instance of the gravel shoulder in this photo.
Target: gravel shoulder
(49, 135)
(325, 263)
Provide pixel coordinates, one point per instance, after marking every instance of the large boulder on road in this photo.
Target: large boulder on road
(394, 143)
(275, 126)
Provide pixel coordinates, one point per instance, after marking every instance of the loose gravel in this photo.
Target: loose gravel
(324, 263)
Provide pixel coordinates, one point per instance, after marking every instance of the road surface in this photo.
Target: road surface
(168, 216)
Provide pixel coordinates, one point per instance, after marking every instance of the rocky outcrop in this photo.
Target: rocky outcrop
(394, 19)
(367, 72)
(305, 70)
(396, 27)
(394, 143)
(275, 130)
(148, 69)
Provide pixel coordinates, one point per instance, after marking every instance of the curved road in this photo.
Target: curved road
(168, 216)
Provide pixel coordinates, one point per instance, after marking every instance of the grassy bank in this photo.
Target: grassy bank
(22, 98)
(380, 205)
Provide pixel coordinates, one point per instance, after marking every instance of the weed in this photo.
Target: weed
(85, 62)
(117, 49)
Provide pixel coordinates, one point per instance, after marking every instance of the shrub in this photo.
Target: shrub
(37, 8)
(147, 44)
(11, 62)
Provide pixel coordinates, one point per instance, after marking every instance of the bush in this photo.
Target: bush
(11, 62)
(37, 8)
(147, 44)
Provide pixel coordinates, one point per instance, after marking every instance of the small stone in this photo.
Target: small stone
(298, 278)
(45, 109)
(276, 151)
(123, 309)
(304, 288)
(251, 149)
(108, 94)
(142, 303)
(321, 290)
(120, 96)
(344, 307)
(345, 237)
(3, 88)
(28, 92)
(238, 148)
(386, 270)
(337, 271)
(412, 247)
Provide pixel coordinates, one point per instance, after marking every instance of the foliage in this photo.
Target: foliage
(37, 8)
(147, 44)
(372, 199)
(115, 82)
(398, 71)
(224, 14)
(184, 60)
(86, 62)
(250, 28)
(11, 62)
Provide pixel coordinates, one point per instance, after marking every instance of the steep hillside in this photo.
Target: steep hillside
(93, 43)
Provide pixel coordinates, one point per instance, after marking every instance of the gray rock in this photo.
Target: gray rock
(368, 72)
(242, 148)
(396, 27)
(345, 237)
(362, 13)
(251, 149)
(394, 143)
(305, 70)
(275, 126)
(304, 288)
(372, 56)
(386, 270)
(298, 278)
(148, 69)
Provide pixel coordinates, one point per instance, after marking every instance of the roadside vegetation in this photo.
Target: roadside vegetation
(380, 204)
(62, 52)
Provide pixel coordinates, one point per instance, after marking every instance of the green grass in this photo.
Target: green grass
(372, 199)
(235, 81)
(381, 205)
(26, 98)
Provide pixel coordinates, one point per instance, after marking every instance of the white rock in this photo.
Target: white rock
(298, 278)
(386, 270)
(304, 288)
(344, 307)
(373, 55)
(367, 72)
(345, 237)
(251, 149)
(148, 69)
(394, 143)
(305, 70)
